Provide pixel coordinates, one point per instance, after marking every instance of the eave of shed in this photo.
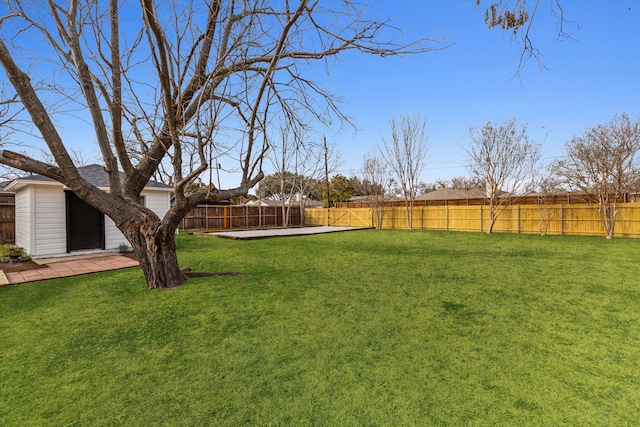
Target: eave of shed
(95, 174)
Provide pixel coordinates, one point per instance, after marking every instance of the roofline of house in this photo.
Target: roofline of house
(20, 183)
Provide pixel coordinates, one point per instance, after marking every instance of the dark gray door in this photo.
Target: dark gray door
(85, 224)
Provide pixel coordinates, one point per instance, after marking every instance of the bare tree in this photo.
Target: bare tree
(284, 160)
(162, 75)
(406, 155)
(311, 168)
(298, 163)
(505, 159)
(461, 183)
(375, 178)
(602, 166)
(547, 188)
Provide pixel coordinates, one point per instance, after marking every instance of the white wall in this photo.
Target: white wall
(157, 201)
(50, 221)
(24, 219)
(113, 238)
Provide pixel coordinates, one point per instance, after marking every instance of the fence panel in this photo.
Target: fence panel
(560, 219)
(7, 224)
(213, 217)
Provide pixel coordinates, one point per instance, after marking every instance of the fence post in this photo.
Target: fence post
(206, 217)
(561, 222)
(518, 218)
(481, 218)
(446, 217)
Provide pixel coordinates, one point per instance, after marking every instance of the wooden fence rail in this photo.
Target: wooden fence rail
(561, 219)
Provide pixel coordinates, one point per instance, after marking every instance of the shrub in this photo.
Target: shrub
(7, 251)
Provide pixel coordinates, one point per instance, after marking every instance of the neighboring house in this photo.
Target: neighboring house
(366, 199)
(309, 203)
(52, 221)
(260, 202)
(453, 194)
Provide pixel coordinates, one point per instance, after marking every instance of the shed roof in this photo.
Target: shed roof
(95, 174)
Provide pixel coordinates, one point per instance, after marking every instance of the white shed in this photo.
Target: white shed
(52, 221)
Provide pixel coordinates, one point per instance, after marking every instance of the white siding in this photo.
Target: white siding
(157, 201)
(24, 219)
(50, 224)
(113, 238)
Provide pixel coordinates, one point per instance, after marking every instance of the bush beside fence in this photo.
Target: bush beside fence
(561, 219)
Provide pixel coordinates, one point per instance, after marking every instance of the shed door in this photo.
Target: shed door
(85, 224)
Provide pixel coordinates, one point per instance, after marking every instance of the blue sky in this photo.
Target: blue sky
(590, 78)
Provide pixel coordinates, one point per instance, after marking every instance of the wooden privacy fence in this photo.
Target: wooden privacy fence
(209, 217)
(7, 222)
(573, 219)
(554, 199)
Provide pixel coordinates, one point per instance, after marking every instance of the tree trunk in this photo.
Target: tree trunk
(492, 217)
(156, 253)
(609, 224)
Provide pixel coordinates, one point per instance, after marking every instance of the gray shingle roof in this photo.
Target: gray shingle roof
(453, 194)
(97, 176)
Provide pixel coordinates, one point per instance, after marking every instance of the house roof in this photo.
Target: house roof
(366, 199)
(453, 194)
(95, 174)
(309, 203)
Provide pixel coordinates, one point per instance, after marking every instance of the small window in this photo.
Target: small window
(143, 201)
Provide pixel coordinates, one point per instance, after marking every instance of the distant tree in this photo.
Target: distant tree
(276, 186)
(356, 186)
(375, 175)
(466, 183)
(505, 160)
(406, 155)
(459, 183)
(340, 189)
(426, 187)
(602, 165)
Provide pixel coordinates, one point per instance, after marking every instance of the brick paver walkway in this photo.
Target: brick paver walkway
(75, 267)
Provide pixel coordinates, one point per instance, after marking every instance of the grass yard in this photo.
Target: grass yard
(360, 328)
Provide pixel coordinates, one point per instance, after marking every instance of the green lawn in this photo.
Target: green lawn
(361, 328)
